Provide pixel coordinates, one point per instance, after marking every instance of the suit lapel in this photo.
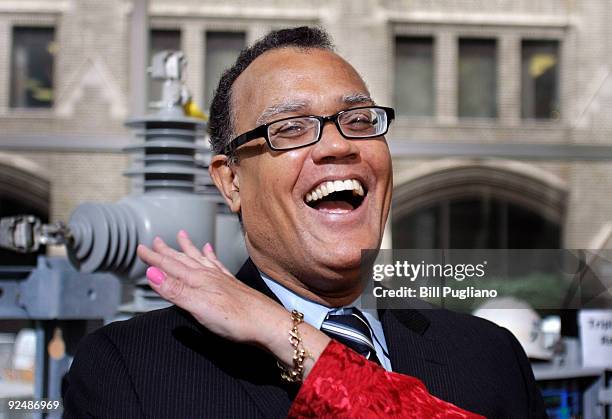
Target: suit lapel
(412, 352)
(249, 275)
(409, 346)
(272, 396)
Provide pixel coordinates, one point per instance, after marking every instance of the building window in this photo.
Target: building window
(540, 80)
(161, 40)
(476, 222)
(414, 76)
(477, 78)
(222, 49)
(32, 60)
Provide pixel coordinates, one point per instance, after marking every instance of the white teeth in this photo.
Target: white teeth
(357, 188)
(325, 188)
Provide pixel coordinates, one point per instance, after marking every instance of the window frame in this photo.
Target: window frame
(44, 20)
(150, 99)
(559, 79)
(434, 62)
(509, 35)
(496, 76)
(205, 53)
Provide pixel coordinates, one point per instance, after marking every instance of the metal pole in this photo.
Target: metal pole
(41, 369)
(139, 57)
(139, 60)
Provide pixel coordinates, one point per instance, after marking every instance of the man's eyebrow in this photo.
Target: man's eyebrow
(279, 108)
(296, 106)
(356, 99)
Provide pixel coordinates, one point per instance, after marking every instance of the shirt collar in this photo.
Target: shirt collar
(314, 313)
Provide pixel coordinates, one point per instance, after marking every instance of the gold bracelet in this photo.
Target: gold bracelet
(295, 374)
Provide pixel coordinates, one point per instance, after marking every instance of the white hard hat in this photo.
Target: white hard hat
(518, 317)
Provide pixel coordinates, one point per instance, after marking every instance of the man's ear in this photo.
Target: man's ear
(227, 180)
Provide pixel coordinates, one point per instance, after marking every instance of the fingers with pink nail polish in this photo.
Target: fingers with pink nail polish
(192, 251)
(155, 275)
(209, 252)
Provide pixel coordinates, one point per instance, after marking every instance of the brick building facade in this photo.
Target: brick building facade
(493, 77)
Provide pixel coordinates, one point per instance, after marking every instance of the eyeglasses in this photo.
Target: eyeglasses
(301, 131)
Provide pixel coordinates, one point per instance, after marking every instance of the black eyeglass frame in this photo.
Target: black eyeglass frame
(262, 130)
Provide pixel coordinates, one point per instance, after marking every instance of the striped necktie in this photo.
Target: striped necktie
(351, 328)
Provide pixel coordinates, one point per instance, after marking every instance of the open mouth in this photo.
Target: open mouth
(336, 196)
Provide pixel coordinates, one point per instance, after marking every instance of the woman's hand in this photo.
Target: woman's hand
(199, 283)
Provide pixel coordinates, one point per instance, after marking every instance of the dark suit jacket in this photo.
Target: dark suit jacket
(163, 364)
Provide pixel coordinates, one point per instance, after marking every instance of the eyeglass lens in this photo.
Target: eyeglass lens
(300, 131)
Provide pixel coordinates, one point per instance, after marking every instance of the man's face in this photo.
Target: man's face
(318, 242)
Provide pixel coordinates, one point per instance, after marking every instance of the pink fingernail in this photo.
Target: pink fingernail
(208, 247)
(183, 233)
(155, 275)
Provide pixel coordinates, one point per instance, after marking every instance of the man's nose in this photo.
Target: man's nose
(333, 146)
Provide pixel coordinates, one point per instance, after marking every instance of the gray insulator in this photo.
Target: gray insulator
(229, 242)
(105, 236)
(164, 155)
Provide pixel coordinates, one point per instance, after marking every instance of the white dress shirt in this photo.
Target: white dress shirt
(315, 313)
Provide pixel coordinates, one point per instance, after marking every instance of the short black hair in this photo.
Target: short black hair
(220, 123)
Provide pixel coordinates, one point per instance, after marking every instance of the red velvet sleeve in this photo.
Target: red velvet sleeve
(343, 384)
